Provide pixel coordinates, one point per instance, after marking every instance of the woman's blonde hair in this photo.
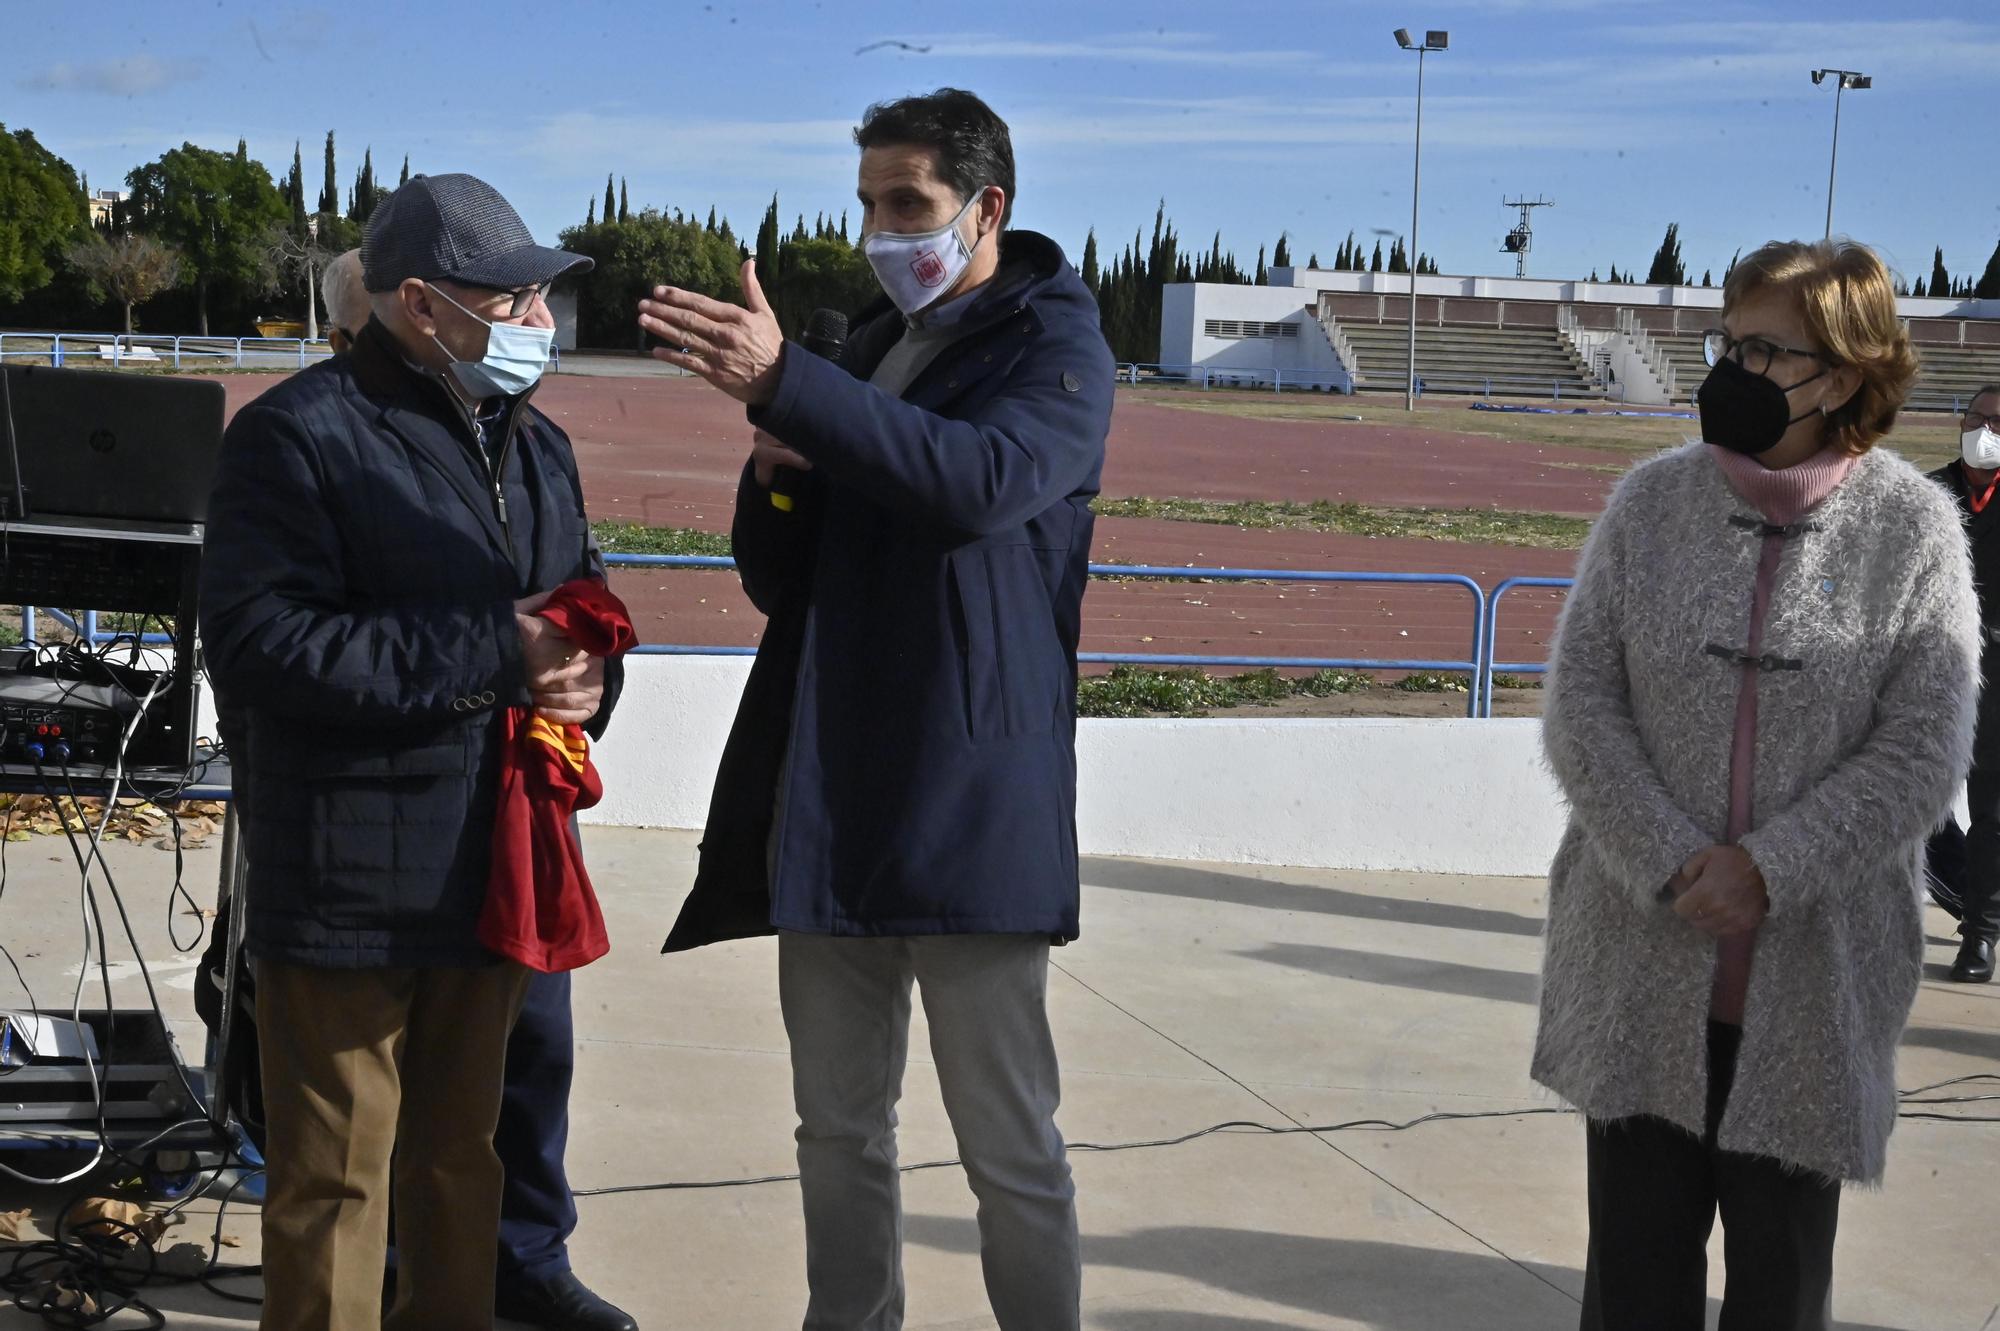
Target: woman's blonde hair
(1849, 303)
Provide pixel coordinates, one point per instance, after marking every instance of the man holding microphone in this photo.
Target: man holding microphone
(897, 800)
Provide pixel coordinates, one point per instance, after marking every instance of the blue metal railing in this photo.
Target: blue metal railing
(1483, 686)
(1237, 376)
(1480, 667)
(1474, 667)
(88, 629)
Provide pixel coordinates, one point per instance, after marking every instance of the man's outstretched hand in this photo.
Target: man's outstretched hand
(735, 348)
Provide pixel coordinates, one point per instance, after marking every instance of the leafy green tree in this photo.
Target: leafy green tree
(38, 213)
(329, 194)
(1667, 269)
(1989, 281)
(633, 257)
(215, 210)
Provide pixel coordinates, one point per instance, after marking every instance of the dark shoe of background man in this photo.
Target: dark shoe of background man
(562, 1303)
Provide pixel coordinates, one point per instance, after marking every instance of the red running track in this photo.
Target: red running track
(666, 452)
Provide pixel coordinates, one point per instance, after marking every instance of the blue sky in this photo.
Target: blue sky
(1250, 117)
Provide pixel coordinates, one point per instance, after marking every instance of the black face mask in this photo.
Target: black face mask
(1744, 412)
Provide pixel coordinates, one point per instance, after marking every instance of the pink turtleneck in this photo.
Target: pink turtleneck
(1783, 498)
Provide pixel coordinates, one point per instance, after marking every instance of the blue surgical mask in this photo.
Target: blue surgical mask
(515, 357)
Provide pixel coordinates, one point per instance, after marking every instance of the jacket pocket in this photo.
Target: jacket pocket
(1013, 666)
(362, 755)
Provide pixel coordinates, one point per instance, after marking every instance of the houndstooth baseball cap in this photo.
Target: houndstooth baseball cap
(457, 227)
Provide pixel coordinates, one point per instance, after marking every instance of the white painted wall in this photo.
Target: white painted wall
(1316, 280)
(1293, 295)
(1461, 797)
(1186, 307)
(562, 307)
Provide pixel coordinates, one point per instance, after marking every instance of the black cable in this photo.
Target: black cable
(131, 936)
(108, 1261)
(1101, 1148)
(6, 831)
(100, 1068)
(1288, 1130)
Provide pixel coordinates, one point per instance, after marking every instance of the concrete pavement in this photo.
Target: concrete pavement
(1199, 994)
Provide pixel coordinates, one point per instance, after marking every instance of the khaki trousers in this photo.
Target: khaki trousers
(360, 1065)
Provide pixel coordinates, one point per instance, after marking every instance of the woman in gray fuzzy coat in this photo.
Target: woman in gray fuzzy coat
(1762, 700)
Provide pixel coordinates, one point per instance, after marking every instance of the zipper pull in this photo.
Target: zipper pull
(500, 502)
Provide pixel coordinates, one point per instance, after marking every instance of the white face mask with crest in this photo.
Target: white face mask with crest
(916, 269)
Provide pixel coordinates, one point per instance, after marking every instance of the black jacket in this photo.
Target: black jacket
(917, 681)
(1982, 530)
(358, 584)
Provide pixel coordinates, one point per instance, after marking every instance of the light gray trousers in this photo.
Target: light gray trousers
(847, 1010)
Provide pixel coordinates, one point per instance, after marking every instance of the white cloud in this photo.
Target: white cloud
(131, 76)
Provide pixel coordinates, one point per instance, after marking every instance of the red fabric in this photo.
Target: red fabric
(540, 908)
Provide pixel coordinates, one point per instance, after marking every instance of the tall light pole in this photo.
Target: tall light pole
(1846, 78)
(1434, 40)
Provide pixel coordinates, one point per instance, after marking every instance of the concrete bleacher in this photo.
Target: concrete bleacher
(1683, 353)
(1950, 374)
(1515, 362)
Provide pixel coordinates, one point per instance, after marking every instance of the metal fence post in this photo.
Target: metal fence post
(55, 356)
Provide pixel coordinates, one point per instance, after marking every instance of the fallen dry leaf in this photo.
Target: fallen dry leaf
(108, 1214)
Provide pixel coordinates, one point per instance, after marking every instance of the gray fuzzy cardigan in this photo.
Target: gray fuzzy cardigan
(1858, 755)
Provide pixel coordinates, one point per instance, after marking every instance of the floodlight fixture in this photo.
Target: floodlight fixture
(1845, 79)
(1435, 39)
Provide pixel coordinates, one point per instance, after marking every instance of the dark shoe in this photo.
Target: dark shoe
(561, 1303)
(1975, 962)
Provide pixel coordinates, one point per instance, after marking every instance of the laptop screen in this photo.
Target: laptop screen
(107, 444)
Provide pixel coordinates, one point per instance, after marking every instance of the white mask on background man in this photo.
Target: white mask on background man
(1981, 448)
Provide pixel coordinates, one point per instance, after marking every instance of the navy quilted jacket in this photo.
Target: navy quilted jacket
(357, 618)
(916, 687)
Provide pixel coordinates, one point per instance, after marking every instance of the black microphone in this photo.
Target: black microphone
(825, 335)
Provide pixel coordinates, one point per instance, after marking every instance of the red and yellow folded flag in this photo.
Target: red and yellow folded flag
(540, 908)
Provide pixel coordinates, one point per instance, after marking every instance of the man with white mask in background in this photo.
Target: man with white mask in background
(1973, 481)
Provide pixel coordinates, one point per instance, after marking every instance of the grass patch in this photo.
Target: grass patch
(1130, 691)
(1928, 439)
(1539, 531)
(630, 538)
(1429, 681)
